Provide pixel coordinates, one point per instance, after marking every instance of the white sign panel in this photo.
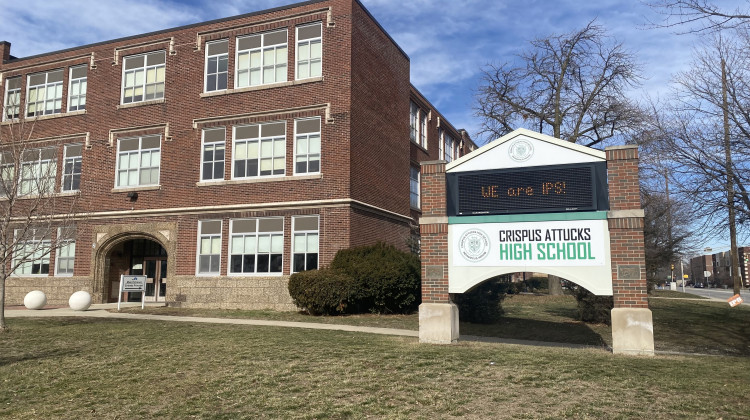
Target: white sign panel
(133, 283)
(573, 243)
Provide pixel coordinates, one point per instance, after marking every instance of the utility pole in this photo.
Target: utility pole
(735, 263)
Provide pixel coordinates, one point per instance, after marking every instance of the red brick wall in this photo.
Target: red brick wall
(434, 235)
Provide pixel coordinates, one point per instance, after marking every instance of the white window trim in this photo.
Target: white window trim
(70, 88)
(419, 188)
(5, 104)
(294, 148)
(205, 66)
(37, 163)
(62, 173)
(237, 52)
(259, 139)
(145, 70)
(296, 49)
(140, 149)
(57, 256)
(294, 231)
(198, 248)
(46, 89)
(14, 259)
(255, 273)
(203, 144)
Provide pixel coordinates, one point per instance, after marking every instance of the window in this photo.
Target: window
(209, 246)
(71, 177)
(261, 59)
(31, 256)
(138, 161)
(413, 122)
(77, 88)
(256, 245)
(12, 102)
(7, 173)
(414, 188)
(217, 54)
(214, 140)
(66, 251)
(309, 51)
(259, 150)
(44, 95)
(38, 171)
(143, 77)
(423, 128)
(441, 143)
(449, 146)
(307, 146)
(305, 245)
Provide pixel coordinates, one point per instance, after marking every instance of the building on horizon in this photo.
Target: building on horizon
(720, 266)
(220, 157)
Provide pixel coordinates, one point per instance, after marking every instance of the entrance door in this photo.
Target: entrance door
(155, 270)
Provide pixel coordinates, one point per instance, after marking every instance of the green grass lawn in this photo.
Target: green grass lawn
(690, 325)
(105, 368)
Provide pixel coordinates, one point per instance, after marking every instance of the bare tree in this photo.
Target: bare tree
(35, 219)
(571, 86)
(697, 16)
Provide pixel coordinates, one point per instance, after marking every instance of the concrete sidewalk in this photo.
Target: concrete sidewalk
(102, 311)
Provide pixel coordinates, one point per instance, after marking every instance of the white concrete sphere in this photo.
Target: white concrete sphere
(79, 301)
(35, 299)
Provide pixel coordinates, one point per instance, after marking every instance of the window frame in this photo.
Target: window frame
(218, 72)
(214, 162)
(6, 105)
(256, 234)
(263, 47)
(139, 168)
(310, 59)
(294, 235)
(47, 85)
(418, 192)
(37, 165)
(413, 122)
(84, 88)
(307, 137)
(73, 174)
(198, 249)
(145, 83)
(260, 139)
(43, 243)
(58, 253)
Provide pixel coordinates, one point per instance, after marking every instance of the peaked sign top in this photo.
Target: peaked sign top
(525, 148)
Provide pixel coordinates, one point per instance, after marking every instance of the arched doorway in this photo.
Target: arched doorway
(136, 256)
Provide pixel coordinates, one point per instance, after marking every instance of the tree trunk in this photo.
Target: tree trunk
(3, 327)
(554, 285)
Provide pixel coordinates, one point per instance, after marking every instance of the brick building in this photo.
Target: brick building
(218, 158)
(719, 264)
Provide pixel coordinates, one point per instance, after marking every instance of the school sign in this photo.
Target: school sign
(529, 202)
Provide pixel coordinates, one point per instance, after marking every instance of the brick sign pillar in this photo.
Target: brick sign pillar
(632, 325)
(438, 316)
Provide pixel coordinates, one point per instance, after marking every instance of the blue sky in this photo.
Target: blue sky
(448, 41)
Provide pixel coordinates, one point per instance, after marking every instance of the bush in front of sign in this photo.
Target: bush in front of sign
(592, 308)
(482, 304)
(387, 280)
(322, 292)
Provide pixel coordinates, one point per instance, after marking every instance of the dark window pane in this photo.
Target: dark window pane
(278, 171)
(236, 264)
(208, 154)
(214, 264)
(67, 183)
(219, 170)
(299, 263)
(204, 264)
(252, 168)
(219, 153)
(211, 82)
(222, 81)
(263, 263)
(77, 182)
(314, 166)
(239, 168)
(207, 170)
(301, 167)
(248, 264)
(223, 63)
(276, 261)
(312, 262)
(212, 65)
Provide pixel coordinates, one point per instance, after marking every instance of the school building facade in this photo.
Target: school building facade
(221, 157)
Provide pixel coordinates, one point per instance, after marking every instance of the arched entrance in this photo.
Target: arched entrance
(134, 249)
(139, 256)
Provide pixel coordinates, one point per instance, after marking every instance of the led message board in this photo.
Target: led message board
(559, 188)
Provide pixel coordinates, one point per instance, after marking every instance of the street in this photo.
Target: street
(723, 294)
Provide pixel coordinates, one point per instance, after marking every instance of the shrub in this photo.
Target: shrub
(322, 292)
(593, 308)
(386, 280)
(482, 304)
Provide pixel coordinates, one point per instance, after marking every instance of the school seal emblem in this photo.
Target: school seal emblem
(474, 245)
